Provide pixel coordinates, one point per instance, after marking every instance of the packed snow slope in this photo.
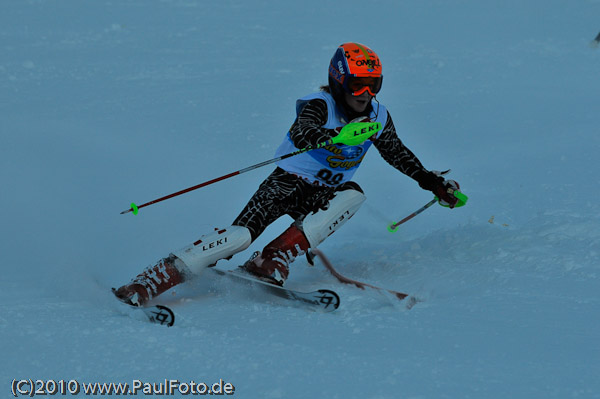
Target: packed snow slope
(104, 103)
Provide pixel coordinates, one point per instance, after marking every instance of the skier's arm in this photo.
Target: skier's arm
(396, 153)
(399, 156)
(308, 128)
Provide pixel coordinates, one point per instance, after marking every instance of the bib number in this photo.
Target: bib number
(328, 177)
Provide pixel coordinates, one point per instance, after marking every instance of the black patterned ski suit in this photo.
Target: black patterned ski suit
(283, 193)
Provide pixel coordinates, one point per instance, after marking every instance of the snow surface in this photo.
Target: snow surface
(107, 102)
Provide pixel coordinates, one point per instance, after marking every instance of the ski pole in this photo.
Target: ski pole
(462, 200)
(351, 134)
(134, 208)
(393, 227)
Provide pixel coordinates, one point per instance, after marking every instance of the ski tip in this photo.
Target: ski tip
(162, 315)
(329, 300)
(399, 295)
(594, 43)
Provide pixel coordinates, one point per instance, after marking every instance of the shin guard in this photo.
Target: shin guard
(320, 225)
(212, 247)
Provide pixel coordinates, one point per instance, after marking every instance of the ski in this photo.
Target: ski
(410, 301)
(158, 314)
(324, 299)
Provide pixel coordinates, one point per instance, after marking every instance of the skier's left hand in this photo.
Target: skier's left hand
(441, 188)
(445, 192)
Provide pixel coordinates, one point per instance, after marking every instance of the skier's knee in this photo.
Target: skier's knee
(212, 247)
(318, 226)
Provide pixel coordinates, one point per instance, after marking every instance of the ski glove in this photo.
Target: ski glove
(440, 187)
(355, 120)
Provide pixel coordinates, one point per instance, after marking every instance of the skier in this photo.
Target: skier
(314, 188)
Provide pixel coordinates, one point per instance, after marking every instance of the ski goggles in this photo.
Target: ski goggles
(356, 85)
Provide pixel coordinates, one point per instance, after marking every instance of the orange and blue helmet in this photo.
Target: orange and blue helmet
(355, 68)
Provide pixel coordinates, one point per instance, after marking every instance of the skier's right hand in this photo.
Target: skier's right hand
(355, 120)
(356, 132)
